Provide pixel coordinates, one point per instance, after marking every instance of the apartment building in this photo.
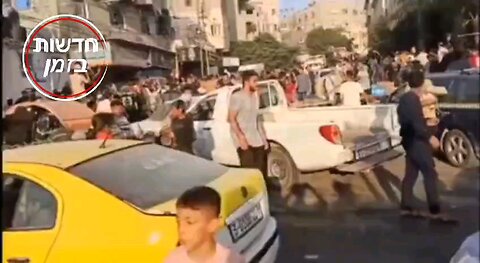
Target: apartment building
(327, 14)
(206, 16)
(261, 16)
(138, 33)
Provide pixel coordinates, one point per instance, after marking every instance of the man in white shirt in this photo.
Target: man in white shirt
(351, 91)
(422, 57)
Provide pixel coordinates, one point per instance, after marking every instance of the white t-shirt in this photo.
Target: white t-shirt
(104, 106)
(422, 58)
(350, 92)
(442, 51)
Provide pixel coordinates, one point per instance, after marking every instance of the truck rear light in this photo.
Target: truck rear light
(475, 61)
(331, 133)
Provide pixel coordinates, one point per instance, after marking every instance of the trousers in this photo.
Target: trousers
(419, 159)
(254, 157)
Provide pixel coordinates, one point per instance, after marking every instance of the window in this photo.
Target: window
(22, 5)
(274, 12)
(267, 96)
(204, 110)
(447, 83)
(116, 16)
(313, 14)
(156, 174)
(275, 27)
(27, 205)
(144, 24)
(188, 3)
(215, 30)
(467, 91)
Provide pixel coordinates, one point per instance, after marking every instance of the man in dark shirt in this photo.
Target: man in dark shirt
(182, 128)
(419, 145)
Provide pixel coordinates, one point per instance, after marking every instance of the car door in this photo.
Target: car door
(203, 119)
(30, 218)
(466, 107)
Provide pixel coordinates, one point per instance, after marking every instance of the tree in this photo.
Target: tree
(426, 23)
(319, 40)
(267, 50)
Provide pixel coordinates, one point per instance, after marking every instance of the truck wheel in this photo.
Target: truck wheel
(280, 165)
(459, 150)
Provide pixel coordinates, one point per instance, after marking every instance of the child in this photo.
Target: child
(198, 211)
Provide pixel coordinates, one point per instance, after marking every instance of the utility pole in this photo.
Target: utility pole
(203, 39)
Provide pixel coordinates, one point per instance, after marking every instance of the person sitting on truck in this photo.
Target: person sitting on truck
(351, 92)
(290, 90)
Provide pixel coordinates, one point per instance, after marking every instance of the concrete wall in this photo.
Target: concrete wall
(13, 79)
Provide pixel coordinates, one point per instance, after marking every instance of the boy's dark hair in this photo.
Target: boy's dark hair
(180, 105)
(350, 73)
(200, 197)
(247, 75)
(116, 103)
(416, 77)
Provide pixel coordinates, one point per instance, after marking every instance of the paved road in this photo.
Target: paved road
(356, 219)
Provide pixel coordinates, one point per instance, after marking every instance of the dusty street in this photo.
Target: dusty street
(356, 219)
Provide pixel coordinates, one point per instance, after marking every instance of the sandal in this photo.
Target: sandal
(441, 218)
(410, 213)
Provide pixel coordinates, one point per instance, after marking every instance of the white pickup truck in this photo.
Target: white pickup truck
(303, 139)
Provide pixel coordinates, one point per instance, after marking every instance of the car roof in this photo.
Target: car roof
(455, 73)
(65, 154)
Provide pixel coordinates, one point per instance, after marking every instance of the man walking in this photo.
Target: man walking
(419, 145)
(247, 131)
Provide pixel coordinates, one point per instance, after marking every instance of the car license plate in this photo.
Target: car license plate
(242, 225)
(373, 149)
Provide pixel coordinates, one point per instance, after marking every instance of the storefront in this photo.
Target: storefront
(196, 61)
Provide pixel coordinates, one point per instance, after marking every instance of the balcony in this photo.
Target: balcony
(144, 2)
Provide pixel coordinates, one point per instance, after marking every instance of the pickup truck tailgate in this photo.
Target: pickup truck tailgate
(369, 147)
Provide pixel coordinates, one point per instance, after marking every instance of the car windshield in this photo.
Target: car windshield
(147, 175)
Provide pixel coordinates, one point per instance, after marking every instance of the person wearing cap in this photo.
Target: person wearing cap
(419, 145)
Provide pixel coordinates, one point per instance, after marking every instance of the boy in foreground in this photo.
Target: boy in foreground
(198, 217)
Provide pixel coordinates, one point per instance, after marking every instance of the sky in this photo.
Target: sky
(296, 4)
(300, 4)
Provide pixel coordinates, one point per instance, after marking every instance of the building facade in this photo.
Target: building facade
(205, 15)
(328, 14)
(257, 18)
(138, 33)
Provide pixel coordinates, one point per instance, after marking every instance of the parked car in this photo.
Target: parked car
(459, 128)
(78, 202)
(48, 120)
(39, 120)
(303, 139)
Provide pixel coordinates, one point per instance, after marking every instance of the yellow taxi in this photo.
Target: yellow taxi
(80, 202)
